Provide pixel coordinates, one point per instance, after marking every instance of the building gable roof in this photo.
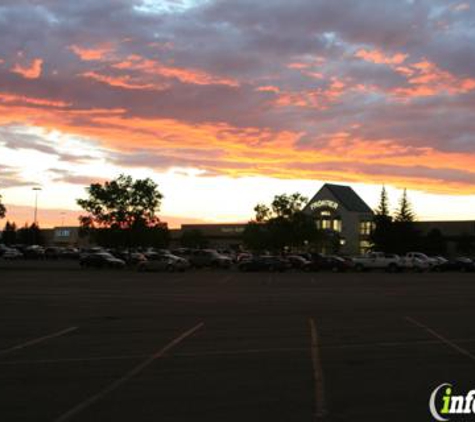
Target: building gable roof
(347, 197)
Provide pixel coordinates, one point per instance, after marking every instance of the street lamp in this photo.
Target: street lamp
(62, 218)
(35, 220)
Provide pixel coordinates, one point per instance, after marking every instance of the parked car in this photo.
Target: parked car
(378, 261)
(34, 252)
(71, 253)
(430, 263)
(264, 263)
(209, 258)
(53, 252)
(320, 262)
(164, 263)
(101, 260)
(462, 264)
(10, 254)
(298, 262)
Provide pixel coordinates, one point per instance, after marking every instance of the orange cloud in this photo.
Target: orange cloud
(253, 151)
(378, 57)
(91, 54)
(191, 76)
(19, 99)
(121, 81)
(31, 71)
(427, 79)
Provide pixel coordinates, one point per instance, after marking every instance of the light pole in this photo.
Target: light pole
(62, 218)
(35, 220)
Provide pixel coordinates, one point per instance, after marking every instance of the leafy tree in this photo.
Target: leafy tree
(30, 235)
(123, 212)
(281, 225)
(9, 234)
(193, 239)
(3, 210)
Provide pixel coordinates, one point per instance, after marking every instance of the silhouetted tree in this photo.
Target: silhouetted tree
(9, 235)
(3, 210)
(123, 212)
(30, 235)
(283, 224)
(382, 236)
(406, 237)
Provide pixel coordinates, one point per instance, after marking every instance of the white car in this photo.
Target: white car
(378, 261)
(12, 254)
(164, 263)
(421, 261)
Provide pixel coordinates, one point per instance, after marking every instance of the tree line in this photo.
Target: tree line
(124, 213)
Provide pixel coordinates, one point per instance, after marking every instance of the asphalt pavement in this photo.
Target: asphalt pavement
(223, 346)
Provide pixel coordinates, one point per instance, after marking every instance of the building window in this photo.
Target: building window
(329, 224)
(366, 228)
(337, 226)
(365, 247)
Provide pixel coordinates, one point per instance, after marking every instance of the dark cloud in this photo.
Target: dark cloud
(272, 66)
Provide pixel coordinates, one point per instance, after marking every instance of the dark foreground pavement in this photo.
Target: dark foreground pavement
(223, 346)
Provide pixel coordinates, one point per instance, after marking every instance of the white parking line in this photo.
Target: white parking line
(320, 408)
(443, 339)
(133, 372)
(36, 341)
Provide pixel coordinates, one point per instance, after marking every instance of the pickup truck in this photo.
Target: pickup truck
(378, 261)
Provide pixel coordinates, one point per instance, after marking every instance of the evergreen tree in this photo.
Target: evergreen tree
(383, 207)
(405, 213)
(382, 235)
(406, 237)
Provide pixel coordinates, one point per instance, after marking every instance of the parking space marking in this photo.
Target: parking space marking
(320, 408)
(133, 372)
(241, 352)
(442, 339)
(37, 341)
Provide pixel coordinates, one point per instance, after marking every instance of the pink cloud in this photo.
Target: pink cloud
(30, 71)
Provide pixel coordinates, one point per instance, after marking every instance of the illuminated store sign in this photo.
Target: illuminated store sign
(324, 203)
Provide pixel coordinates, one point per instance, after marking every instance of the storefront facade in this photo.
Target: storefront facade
(340, 213)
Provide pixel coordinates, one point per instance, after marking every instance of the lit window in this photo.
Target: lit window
(366, 227)
(337, 226)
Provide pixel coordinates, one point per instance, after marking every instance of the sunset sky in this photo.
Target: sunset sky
(227, 103)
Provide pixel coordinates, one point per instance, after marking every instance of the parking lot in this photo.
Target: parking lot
(212, 345)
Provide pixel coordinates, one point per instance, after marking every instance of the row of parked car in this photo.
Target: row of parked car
(181, 259)
(37, 252)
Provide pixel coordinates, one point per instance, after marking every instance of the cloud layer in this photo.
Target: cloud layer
(369, 91)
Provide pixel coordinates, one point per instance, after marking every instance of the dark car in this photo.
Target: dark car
(264, 263)
(329, 263)
(53, 252)
(101, 260)
(462, 264)
(209, 258)
(34, 252)
(298, 262)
